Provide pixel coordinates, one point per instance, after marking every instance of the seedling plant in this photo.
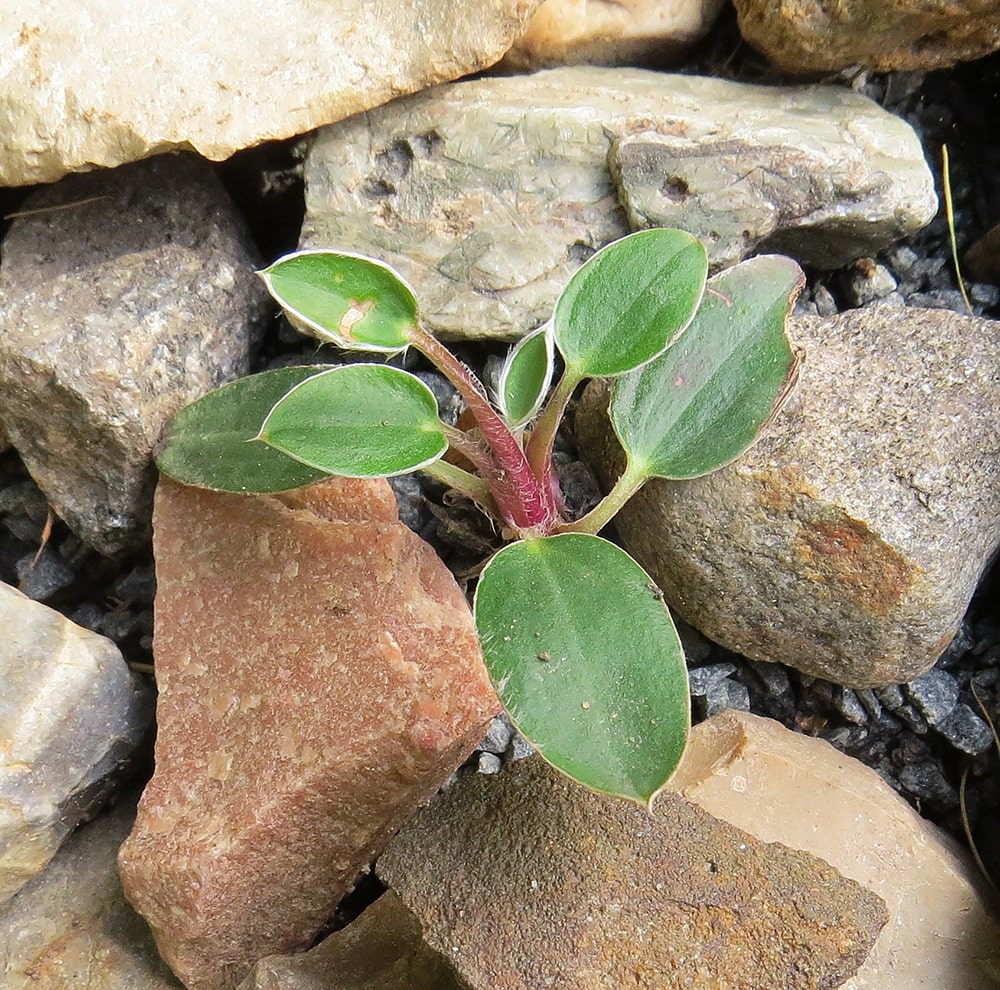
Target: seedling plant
(578, 642)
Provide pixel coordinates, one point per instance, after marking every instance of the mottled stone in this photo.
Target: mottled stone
(781, 786)
(71, 715)
(488, 194)
(99, 84)
(806, 36)
(527, 880)
(849, 541)
(72, 929)
(124, 296)
(319, 678)
(380, 950)
(595, 32)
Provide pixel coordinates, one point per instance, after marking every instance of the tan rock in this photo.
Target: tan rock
(96, 84)
(781, 786)
(71, 927)
(319, 678)
(380, 950)
(71, 716)
(600, 32)
(486, 195)
(885, 35)
(849, 541)
(527, 880)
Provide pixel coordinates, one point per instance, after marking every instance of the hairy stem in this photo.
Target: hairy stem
(525, 504)
(543, 436)
(594, 521)
(467, 484)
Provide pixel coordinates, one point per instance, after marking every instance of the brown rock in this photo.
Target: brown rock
(319, 678)
(849, 541)
(381, 950)
(627, 32)
(885, 35)
(527, 880)
(982, 260)
(781, 786)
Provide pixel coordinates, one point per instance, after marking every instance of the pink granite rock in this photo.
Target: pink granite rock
(319, 678)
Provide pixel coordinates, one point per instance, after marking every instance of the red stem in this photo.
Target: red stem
(525, 505)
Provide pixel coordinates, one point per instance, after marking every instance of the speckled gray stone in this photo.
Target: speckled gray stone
(127, 295)
(488, 194)
(849, 540)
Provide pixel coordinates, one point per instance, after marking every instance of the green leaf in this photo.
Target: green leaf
(206, 444)
(704, 402)
(586, 660)
(526, 376)
(629, 302)
(358, 421)
(347, 299)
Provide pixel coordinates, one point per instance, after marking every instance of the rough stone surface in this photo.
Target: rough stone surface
(885, 35)
(488, 194)
(781, 786)
(71, 715)
(609, 896)
(129, 294)
(98, 85)
(848, 542)
(319, 678)
(380, 950)
(72, 929)
(628, 32)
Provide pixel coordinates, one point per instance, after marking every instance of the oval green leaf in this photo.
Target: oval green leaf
(585, 658)
(629, 302)
(206, 444)
(358, 421)
(526, 376)
(356, 302)
(703, 402)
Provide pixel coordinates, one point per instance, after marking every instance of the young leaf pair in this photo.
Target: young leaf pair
(580, 647)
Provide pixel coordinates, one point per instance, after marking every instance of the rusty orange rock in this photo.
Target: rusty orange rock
(319, 678)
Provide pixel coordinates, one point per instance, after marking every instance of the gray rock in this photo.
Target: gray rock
(527, 880)
(849, 705)
(103, 84)
(71, 714)
(72, 929)
(126, 295)
(848, 542)
(869, 282)
(965, 730)
(935, 694)
(488, 194)
(498, 736)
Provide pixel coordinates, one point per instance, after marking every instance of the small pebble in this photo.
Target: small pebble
(498, 736)
(704, 679)
(43, 577)
(849, 705)
(869, 281)
(489, 763)
(826, 305)
(520, 747)
(926, 782)
(935, 694)
(871, 704)
(965, 730)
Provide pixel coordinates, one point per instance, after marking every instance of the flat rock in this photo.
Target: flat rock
(71, 715)
(382, 949)
(595, 32)
(806, 36)
(102, 84)
(849, 541)
(781, 786)
(527, 880)
(72, 929)
(319, 678)
(488, 194)
(124, 295)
